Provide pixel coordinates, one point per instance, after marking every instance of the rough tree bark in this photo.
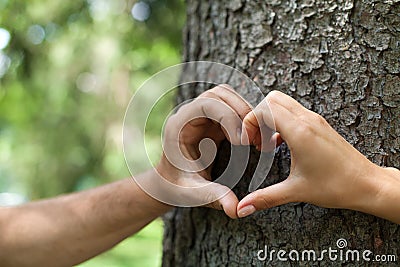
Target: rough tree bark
(339, 58)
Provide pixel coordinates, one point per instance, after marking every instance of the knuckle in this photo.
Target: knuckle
(310, 122)
(200, 102)
(273, 96)
(171, 121)
(320, 120)
(208, 107)
(185, 107)
(268, 201)
(209, 199)
(205, 101)
(219, 89)
(207, 94)
(215, 90)
(304, 130)
(224, 86)
(229, 116)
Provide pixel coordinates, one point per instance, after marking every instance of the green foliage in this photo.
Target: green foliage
(143, 249)
(74, 65)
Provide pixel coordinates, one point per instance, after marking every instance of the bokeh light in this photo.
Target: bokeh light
(67, 71)
(86, 82)
(141, 11)
(11, 199)
(5, 63)
(36, 34)
(4, 38)
(101, 9)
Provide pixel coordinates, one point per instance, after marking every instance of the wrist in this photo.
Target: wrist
(389, 196)
(383, 193)
(149, 204)
(162, 168)
(368, 188)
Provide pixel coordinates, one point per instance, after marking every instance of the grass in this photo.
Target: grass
(142, 249)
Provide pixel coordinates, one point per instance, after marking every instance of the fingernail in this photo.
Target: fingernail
(246, 211)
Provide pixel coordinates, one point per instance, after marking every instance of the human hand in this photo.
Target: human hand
(325, 169)
(216, 114)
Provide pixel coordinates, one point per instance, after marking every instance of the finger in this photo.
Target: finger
(228, 204)
(272, 114)
(251, 129)
(209, 108)
(225, 115)
(268, 197)
(278, 139)
(268, 143)
(227, 200)
(227, 94)
(258, 131)
(221, 104)
(287, 102)
(274, 141)
(189, 190)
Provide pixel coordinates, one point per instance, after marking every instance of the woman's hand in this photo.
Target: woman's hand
(325, 169)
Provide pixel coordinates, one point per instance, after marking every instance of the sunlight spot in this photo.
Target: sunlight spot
(99, 9)
(87, 82)
(4, 38)
(11, 199)
(36, 34)
(51, 31)
(141, 11)
(5, 63)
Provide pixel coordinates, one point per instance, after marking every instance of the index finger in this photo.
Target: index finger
(228, 95)
(278, 111)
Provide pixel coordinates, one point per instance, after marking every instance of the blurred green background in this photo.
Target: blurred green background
(67, 72)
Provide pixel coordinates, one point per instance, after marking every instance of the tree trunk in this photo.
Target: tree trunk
(339, 58)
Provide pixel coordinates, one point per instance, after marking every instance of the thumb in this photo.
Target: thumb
(265, 198)
(226, 201)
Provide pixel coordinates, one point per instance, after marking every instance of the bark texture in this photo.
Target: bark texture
(339, 58)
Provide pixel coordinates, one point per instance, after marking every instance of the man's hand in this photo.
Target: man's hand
(215, 115)
(325, 169)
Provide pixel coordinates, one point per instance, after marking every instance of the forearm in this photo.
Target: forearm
(70, 229)
(384, 202)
